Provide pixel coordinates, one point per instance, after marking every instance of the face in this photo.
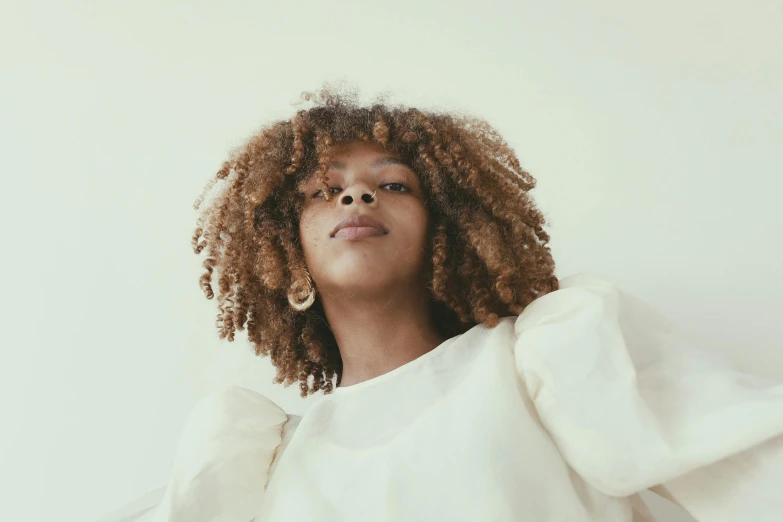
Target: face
(389, 247)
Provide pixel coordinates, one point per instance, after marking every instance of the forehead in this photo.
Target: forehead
(358, 154)
(357, 145)
(357, 151)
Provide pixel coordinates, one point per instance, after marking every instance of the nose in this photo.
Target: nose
(359, 192)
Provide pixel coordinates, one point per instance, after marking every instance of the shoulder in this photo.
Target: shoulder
(581, 291)
(236, 401)
(233, 412)
(223, 457)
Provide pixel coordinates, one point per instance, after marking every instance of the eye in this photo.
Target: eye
(399, 187)
(319, 193)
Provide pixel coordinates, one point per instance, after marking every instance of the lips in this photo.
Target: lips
(360, 225)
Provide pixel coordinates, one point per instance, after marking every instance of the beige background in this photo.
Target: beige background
(655, 132)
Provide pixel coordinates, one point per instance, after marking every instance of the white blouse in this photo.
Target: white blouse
(564, 413)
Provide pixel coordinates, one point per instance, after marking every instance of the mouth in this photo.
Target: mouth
(357, 227)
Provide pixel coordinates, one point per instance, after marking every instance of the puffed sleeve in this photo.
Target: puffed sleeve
(223, 459)
(634, 403)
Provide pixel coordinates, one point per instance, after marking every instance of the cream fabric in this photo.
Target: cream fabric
(565, 413)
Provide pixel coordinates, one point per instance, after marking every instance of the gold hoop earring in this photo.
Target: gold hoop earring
(308, 302)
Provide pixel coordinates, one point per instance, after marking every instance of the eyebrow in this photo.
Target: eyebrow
(380, 162)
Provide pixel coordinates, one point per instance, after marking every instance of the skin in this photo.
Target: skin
(373, 289)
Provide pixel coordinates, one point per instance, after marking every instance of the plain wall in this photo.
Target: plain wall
(654, 130)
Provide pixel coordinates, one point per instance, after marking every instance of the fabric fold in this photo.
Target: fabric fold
(633, 402)
(222, 460)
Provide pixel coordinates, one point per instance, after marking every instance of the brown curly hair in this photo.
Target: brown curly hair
(490, 257)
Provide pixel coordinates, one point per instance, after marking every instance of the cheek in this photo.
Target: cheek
(308, 234)
(422, 218)
(416, 225)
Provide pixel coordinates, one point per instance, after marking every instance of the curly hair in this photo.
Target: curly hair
(489, 253)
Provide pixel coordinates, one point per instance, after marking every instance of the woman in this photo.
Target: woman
(394, 260)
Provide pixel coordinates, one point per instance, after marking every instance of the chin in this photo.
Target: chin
(363, 278)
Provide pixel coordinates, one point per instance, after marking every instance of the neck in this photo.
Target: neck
(379, 333)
